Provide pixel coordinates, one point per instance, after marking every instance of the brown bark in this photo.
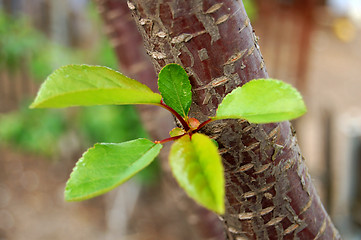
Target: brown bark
(269, 194)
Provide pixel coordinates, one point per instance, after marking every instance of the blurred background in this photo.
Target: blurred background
(313, 44)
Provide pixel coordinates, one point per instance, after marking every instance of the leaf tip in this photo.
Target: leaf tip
(67, 196)
(35, 104)
(221, 209)
(74, 196)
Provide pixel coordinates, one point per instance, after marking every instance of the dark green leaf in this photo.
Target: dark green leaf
(84, 85)
(197, 166)
(262, 101)
(175, 88)
(107, 165)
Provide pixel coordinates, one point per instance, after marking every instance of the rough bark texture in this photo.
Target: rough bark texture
(269, 192)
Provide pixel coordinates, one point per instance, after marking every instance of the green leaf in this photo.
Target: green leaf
(107, 165)
(198, 169)
(262, 101)
(85, 85)
(176, 132)
(174, 85)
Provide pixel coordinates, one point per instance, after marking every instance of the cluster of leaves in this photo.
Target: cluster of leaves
(194, 158)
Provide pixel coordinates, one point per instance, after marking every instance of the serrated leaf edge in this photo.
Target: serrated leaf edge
(184, 110)
(105, 190)
(302, 111)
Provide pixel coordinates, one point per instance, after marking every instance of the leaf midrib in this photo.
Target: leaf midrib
(148, 150)
(178, 95)
(92, 90)
(205, 176)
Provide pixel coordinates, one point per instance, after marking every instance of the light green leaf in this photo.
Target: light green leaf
(176, 132)
(107, 165)
(197, 166)
(262, 101)
(174, 85)
(84, 85)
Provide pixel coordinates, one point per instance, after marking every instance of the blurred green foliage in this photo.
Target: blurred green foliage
(32, 130)
(18, 41)
(110, 124)
(40, 131)
(21, 45)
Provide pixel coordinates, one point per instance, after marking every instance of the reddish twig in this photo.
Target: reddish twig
(179, 117)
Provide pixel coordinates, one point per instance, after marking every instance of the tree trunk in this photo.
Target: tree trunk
(128, 45)
(269, 194)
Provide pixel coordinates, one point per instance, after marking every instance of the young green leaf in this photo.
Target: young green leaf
(198, 169)
(84, 85)
(174, 85)
(176, 132)
(262, 101)
(107, 165)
